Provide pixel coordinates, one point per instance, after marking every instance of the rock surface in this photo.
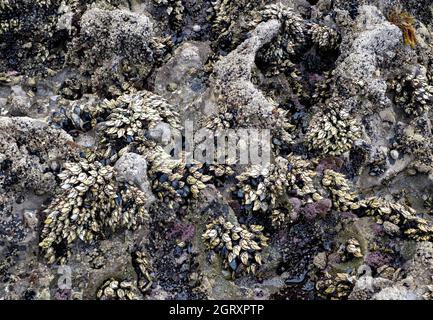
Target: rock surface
(93, 103)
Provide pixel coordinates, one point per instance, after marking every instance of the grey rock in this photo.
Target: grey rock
(161, 133)
(132, 168)
(394, 154)
(180, 79)
(396, 293)
(391, 228)
(320, 260)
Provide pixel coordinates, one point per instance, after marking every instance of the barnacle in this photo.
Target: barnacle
(350, 249)
(113, 289)
(174, 180)
(90, 202)
(332, 130)
(266, 188)
(413, 92)
(237, 244)
(405, 22)
(325, 37)
(334, 287)
(343, 199)
(175, 11)
(141, 261)
(277, 54)
(401, 215)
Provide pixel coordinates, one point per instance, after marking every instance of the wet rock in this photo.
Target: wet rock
(394, 154)
(161, 133)
(390, 228)
(181, 79)
(320, 260)
(132, 168)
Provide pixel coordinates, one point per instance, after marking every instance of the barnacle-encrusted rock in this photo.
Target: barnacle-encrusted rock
(332, 130)
(237, 244)
(413, 92)
(350, 249)
(90, 204)
(401, 215)
(239, 103)
(127, 121)
(343, 199)
(113, 289)
(334, 287)
(324, 37)
(233, 74)
(132, 168)
(41, 19)
(267, 188)
(340, 89)
(29, 151)
(113, 47)
(174, 180)
(374, 45)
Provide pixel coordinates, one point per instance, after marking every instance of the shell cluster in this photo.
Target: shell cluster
(413, 92)
(350, 249)
(90, 203)
(343, 199)
(336, 287)
(142, 262)
(175, 11)
(325, 37)
(128, 119)
(113, 289)
(296, 33)
(278, 54)
(223, 16)
(265, 188)
(174, 180)
(332, 130)
(238, 245)
(400, 215)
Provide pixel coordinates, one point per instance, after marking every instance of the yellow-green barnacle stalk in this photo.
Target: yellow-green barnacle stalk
(400, 215)
(332, 131)
(343, 199)
(90, 201)
(113, 289)
(237, 244)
